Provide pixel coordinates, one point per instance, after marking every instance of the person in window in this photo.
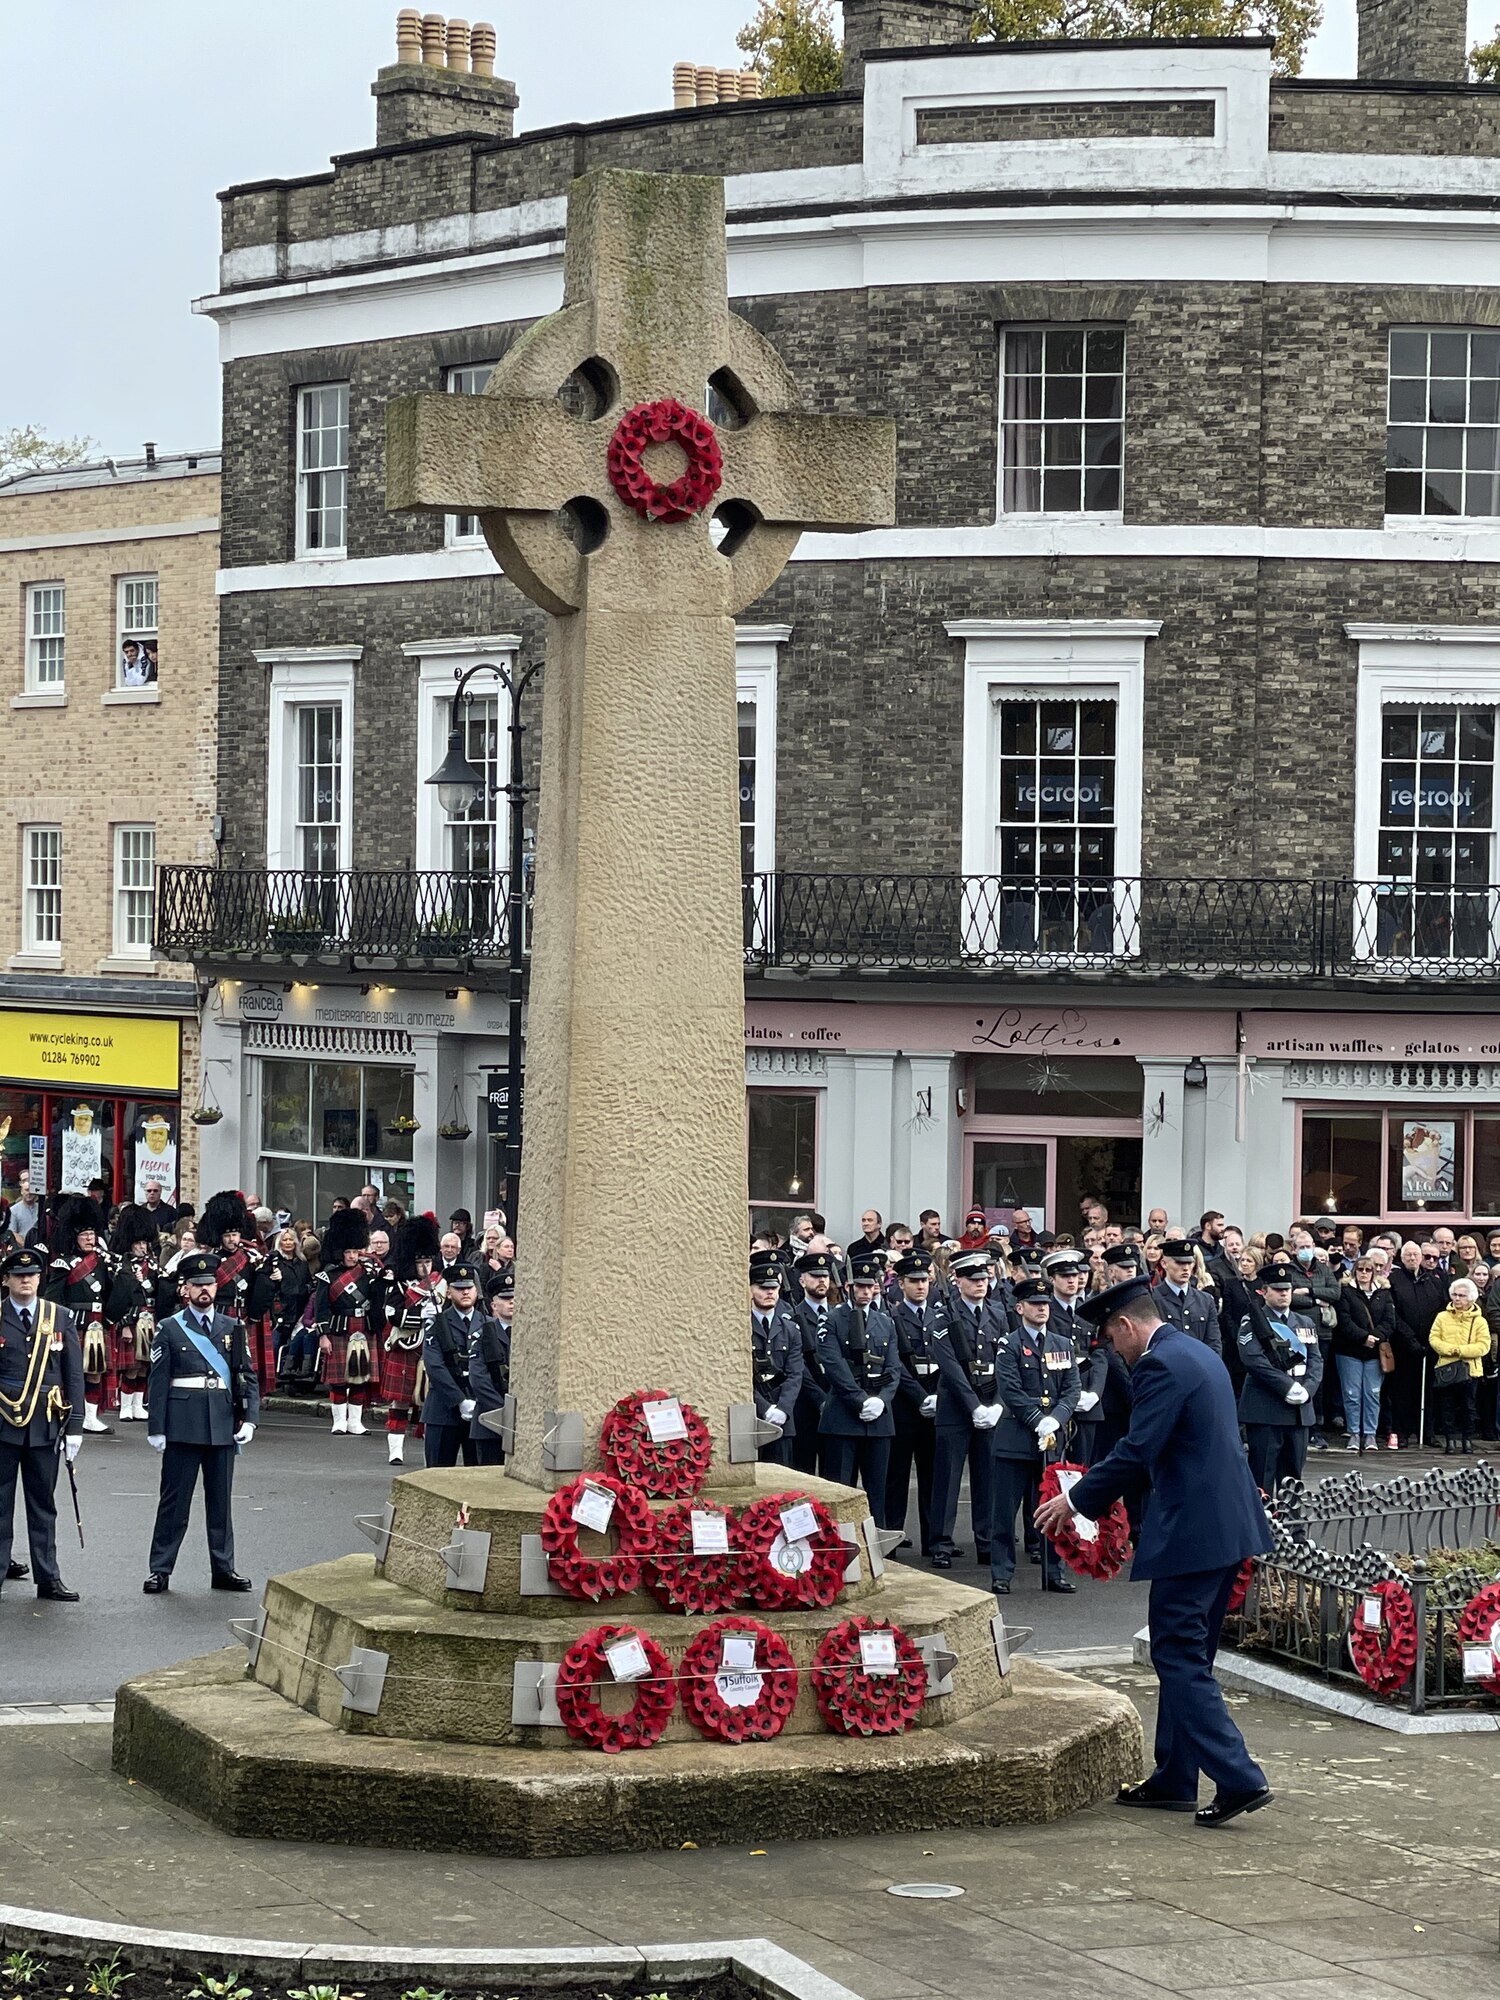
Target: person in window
(1460, 1339)
(132, 665)
(1367, 1321)
(148, 661)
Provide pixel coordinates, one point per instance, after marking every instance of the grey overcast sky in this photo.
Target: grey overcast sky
(120, 119)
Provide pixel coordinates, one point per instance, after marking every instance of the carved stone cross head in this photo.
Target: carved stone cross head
(589, 458)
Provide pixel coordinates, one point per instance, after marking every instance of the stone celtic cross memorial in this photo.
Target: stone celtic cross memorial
(461, 1687)
(635, 1068)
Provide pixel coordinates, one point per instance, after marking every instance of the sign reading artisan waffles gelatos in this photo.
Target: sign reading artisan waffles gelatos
(90, 1051)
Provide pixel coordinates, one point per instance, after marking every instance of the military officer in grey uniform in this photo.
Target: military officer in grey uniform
(968, 1406)
(1283, 1365)
(41, 1416)
(861, 1372)
(202, 1404)
(1180, 1302)
(1037, 1377)
(489, 1366)
(775, 1355)
(446, 1352)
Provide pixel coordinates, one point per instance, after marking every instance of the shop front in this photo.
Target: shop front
(88, 1098)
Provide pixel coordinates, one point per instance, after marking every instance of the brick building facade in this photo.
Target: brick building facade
(1123, 819)
(109, 662)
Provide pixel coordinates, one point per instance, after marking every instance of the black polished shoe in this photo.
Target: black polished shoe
(1063, 1585)
(228, 1579)
(1146, 1796)
(57, 1593)
(1000, 1589)
(156, 1583)
(17, 1572)
(1223, 1809)
(1034, 1556)
(942, 1560)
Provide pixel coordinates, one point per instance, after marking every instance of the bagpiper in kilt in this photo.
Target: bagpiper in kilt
(413, 1302)
(80, 1280)
(342, 1319)
(130, 1308)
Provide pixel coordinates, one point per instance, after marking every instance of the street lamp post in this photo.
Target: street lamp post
(459, 787)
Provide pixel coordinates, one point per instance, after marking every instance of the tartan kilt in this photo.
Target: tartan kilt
(398, 1375)
(122, 1352)
(261, 1334)
(336, 1364)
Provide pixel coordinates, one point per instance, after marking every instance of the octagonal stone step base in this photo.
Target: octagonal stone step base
(235, 1753)
(429, 1505)
(450, 1674)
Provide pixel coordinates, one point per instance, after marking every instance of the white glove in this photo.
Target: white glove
(929, 1406)
(244, 1434)
(72, 1446)
(1047, 1429)
(775, 1416)
(157, 1444)
(1088, 1400)
(870, 1409)
(1296, 1394)
(466, 1408)
(986, 1416)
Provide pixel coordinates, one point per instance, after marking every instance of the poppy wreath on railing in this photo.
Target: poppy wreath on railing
(665, 422)
(683, 1581)
(584, 1667)
(1384, 1655)
(594, 1577)
(667, 1471)
(818, 1574)
(1104, 1557)
(703, 1698)
(852, 1700)
(1480, 1626)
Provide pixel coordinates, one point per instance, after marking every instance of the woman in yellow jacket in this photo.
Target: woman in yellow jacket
(1459, 1334)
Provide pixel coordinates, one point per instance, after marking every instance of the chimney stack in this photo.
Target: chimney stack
(900, 24)
(1413, 41)
(442, 83)
(150, 452)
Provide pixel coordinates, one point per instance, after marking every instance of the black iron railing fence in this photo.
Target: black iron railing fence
(1128, 927)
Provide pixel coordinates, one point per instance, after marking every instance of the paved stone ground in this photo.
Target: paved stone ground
(1376, 1876)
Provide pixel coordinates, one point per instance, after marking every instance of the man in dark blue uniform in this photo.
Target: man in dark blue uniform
(919, 1320)
(41, 1415)
(489, 1365)
(1037, 1378)
(861, 1371)
(1283, 1366)
(1202, 1518)
(202, 1403)
(813, 1278)
(968, 1407)
(446, 1353)
(775, 1355)
(1181, 1303)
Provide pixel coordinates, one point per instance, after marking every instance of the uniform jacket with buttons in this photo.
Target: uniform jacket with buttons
(445, 1355)
(858, 1355)
(1191, 1311)
(1037, 1375)
(199, 1416)
(1263, 1392)
(805, 1313)
(776, 1363)
(64, 1372)
(82, 1284)
(967, 1358)
(489, 1370)
(917, 1345)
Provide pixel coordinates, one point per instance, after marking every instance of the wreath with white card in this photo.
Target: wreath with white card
(697, 1564)
(602, 1503)
(795, 1557)
(658, 1443)
(739, 1681)
(625, 1656)
(869, 1678)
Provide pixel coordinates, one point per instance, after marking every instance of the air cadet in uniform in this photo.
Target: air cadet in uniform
(813, 1273)
(919, 1319)
(1037, 1378)
(861, 1368)
(41, 1416)
(968, 1407)
(1283, 1364)
(1180, 1302)
(775, 1355)
(449, 1407)
(202, 1403)
(489, 1366)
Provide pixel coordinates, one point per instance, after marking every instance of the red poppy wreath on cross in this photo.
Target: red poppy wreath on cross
(665, 422)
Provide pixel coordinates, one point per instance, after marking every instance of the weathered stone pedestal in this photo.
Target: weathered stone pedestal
(273, 1751)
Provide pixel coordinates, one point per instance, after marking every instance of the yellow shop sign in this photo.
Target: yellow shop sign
(89, 1051)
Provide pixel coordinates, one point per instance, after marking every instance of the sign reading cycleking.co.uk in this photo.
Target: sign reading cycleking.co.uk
(90, 1051)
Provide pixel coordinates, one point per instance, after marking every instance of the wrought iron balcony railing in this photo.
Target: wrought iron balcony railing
(1132, 928)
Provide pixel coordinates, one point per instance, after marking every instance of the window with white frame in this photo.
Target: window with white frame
(320, 788)
(1062, 432)
(135, 622)
(322, 468)
(1443, 434)
(308, 750)
(46, 637)
(41, 929)
(135, 890)
(470, 380)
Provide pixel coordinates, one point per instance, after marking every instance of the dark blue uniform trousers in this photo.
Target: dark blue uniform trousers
(37, 1468)
(1194, 1731)
(444, 1444)
(802, 1451)
(868, 1459)
(953, 1447)
(180, 1467)
(780, 1453)
(913, 1445)
(1013, 1484)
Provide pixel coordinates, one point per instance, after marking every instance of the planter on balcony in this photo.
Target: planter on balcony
(440, 944)
(288, 940)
